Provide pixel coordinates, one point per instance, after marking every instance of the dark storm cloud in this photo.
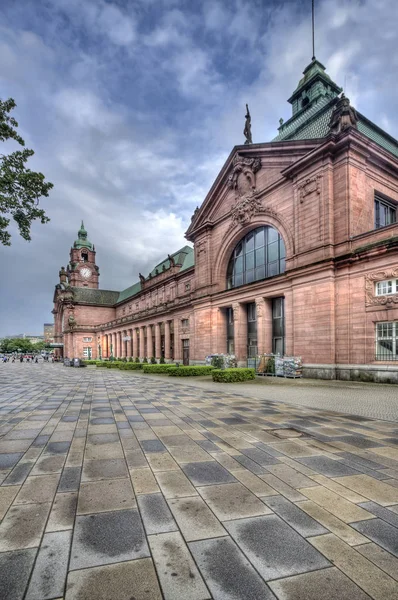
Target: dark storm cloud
(132, 107)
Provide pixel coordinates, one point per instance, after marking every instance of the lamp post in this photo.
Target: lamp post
(99, 348)
(111, 356)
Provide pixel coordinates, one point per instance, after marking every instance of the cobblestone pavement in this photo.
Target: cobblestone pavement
(118, 487)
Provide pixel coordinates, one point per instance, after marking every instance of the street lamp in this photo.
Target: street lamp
(99, 348)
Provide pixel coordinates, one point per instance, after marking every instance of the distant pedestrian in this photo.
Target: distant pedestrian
(21, 359)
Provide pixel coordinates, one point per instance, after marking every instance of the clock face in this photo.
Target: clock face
(85, 272)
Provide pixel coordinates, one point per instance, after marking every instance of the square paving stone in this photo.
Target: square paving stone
(274, 548)
(102, 421)
(70, 479)
(47, 464)
(232, 501)
(109, 494)
(62, 515)
(227, 572)
(104, 469)
(38, 488)
(330, 584)
(379, 557)
(99, 451)
(178, 574)
(23, 526)
(15, 568)
(152, 446)
(174, 484)
(260, 457)
(188, 454)
(49, 574)
(57, 447)
(384, 534)
(295, 517)
(207, 473)
(327, 466)
(105, 538)
(19, 473)
(195, 519)
(156, 514)
(250, 464)
(123, 581)
(8, 461)
(378, 491)
(15, 445)
(103, 438)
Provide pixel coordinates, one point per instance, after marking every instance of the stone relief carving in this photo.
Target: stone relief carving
(235, 310)
(370, 294)
(243, 181)
(201, 249)
(259, 307)
(309, 186)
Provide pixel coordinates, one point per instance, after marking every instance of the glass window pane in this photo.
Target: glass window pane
(259, 238)
(239, 265)
(260, 257)
(273, 269)
(276, 308)
(249, 242)
(272, 235)
(250, 276)
(239, 249)
(282, 251)
(278, 346)
(273, 252)
(282, 266)
(238, 279)
(260, 273)
(250, 260)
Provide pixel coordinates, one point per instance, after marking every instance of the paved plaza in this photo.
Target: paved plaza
(117, 486)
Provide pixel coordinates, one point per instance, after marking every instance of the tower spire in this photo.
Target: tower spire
(313, 30)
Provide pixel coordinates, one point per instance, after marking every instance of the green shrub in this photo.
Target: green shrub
(113, 364)
(145, 360)
(232, 375)
(217, 362)
(158, 368)
(124, 359)
(153, 360)
(137, 360)
(101, 363)
(192, 371)
(162, 361)
(130, 366)
(130, 359)
(88, 362)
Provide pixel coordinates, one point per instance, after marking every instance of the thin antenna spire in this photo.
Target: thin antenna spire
(313, 31)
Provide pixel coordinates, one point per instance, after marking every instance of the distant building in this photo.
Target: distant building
(295, 253)
(49, 333)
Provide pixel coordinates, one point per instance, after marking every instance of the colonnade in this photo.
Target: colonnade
(154, 339)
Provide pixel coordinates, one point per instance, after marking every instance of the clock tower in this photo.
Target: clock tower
(82, 270)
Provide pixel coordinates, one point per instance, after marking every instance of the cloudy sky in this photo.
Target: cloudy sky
(132, 107)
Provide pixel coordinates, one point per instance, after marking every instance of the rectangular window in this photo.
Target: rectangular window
(185, 323)
(230, 331)
(385, 212)
(87, 352)
(187, 286)
(278, 326)
(387, 341)
(387, 287)
(87, 339)
(251, 332)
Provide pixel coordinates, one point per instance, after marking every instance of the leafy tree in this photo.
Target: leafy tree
(17, 345)
(20, 188)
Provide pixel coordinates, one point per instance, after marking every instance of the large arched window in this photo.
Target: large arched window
(260, 254)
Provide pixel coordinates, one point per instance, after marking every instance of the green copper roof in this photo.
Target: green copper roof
(183, 257)
(82, 241)
(311, 118)
(86, 295)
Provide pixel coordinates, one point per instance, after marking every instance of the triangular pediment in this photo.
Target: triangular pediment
(248, 170)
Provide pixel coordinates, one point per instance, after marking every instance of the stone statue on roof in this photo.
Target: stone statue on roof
(142, 278)
(172, 261)
(343, 116)
(247, 132)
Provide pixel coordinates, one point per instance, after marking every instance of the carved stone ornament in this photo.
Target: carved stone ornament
(235, 310)
(370, 293)
(72, 321)
(247, 207)
(343, 116)
(309, 186)
(243, 176)
(259, 307)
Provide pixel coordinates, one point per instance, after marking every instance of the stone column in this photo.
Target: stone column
(122, 344)
(177, 341)
(260, 315)
(135, 343)
(117, 345)
(149, 343)
(240, 332)
(130, 343)
(113, 337)
(267, 325)
(167, 340)
(142, 342)
(158, 341)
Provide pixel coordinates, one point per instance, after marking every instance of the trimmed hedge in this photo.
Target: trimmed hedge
(130, 366)
(115, 364)
(158, 368)
(101, 363)
(88, 362)
(192, 371)
(232, 375)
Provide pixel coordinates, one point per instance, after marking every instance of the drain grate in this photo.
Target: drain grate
(286, 433)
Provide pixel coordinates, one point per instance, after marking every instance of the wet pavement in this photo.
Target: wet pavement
(119, 487)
